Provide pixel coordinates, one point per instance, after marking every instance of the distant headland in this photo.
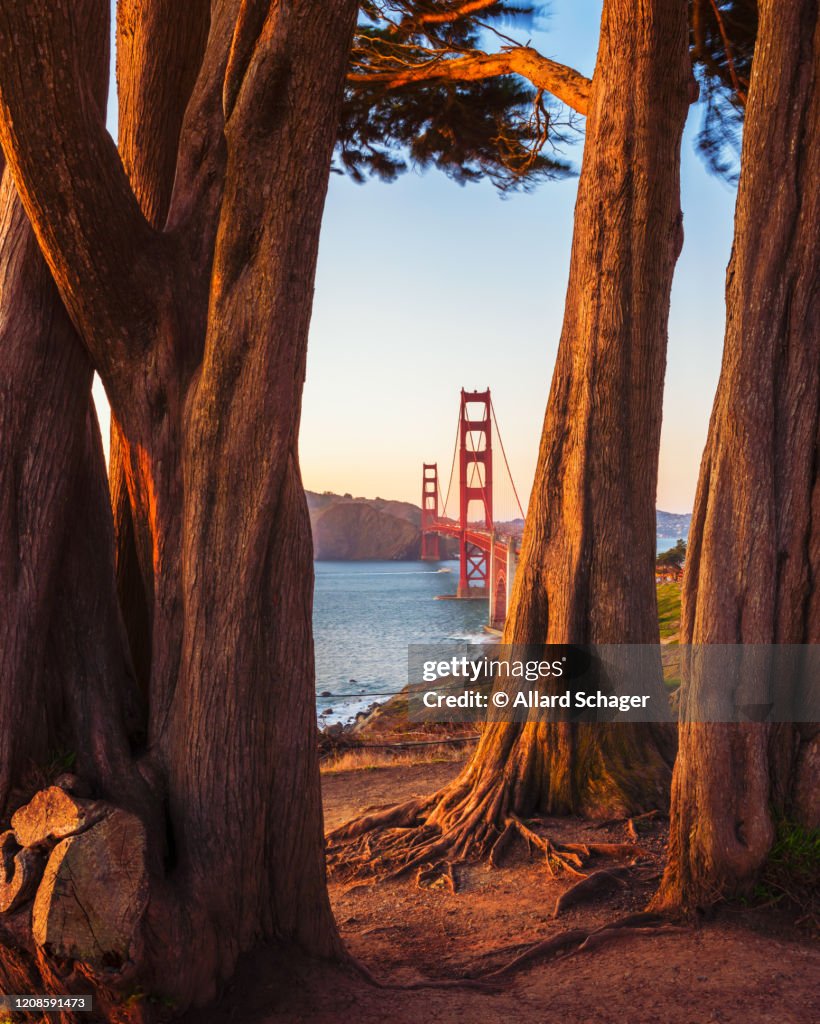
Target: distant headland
(347, 528)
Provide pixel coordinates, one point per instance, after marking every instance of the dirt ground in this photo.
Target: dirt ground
(740, 967)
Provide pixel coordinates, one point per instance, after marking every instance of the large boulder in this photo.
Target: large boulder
(94, 892)
(53, 814)
(20, 871)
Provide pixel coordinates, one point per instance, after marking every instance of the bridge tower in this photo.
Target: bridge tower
(429, 512)
(475, 461)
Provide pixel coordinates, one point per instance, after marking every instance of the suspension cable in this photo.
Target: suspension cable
(452, 468)
(506, 463)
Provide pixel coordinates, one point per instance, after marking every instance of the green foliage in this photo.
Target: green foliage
(792, 872)
(722, 36)
(503, 128)
(497, 128)
(675, 556)
(62, 761)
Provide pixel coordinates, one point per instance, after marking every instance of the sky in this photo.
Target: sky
(425, 287)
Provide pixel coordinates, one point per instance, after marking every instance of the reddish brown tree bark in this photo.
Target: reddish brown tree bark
(55, 504)
(197, 323)
(753, 561)
(160, 45)
(587, 564)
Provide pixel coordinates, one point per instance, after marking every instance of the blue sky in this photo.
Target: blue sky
(425, 287)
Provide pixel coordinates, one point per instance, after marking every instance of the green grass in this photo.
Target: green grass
(669, 623)
(669, 609)
(792, 872)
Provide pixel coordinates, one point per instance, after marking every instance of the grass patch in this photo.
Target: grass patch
(365, 758)
(792, 872)
(669, 610)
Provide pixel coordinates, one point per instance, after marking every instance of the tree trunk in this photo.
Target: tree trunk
(68, 694)
(586, 573)
(193, 306)
(753, 561)
(160, 46)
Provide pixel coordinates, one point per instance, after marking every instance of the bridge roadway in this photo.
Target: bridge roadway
(499, 554)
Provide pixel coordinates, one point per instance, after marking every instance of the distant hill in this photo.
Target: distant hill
(357, 529)
(673, 524)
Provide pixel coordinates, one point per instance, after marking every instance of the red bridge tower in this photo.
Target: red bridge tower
(475, 460)
(429, 513)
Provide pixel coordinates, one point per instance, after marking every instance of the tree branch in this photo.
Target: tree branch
(160, 47)
(104, 257)
(459, 11)
(565, 83)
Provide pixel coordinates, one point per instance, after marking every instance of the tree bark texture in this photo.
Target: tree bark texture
(187, 267)
(159, 51)
(753, 562)
(586, 573)
(55, 508)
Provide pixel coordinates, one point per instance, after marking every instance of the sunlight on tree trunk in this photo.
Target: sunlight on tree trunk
(587, 563)
(192, 295)
(753, 560)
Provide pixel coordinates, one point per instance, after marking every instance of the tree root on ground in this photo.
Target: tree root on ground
(593, 885)
(559, 947)
(631, 822)
(581, 940)
(390, 843)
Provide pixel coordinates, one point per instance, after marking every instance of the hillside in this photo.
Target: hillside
(357, 530)
(673, 524)
(353, 529)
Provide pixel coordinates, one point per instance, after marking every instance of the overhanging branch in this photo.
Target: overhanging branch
(565, 83)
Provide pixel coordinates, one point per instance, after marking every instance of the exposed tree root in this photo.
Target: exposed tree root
(559, 947)
(581, 940)
(433, 874)
(593, 885)
(630, 822)
(390, 843)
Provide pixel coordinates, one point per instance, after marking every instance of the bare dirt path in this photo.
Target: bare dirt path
(739, 968)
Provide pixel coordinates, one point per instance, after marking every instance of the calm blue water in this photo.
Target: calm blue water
(366, 613)
(665, 543)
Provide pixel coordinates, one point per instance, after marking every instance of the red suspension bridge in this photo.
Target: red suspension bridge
(488, 547)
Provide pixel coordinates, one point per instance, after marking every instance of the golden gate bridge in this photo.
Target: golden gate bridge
(488, 547)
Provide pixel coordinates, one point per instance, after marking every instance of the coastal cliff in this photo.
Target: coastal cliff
(360, 529)
(355, 530)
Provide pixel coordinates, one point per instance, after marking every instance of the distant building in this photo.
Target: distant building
(668, 573)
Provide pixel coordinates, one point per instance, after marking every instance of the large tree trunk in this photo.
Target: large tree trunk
(587, 564)
(160, 46)
(753, 563)
(68, 693)
(194, 308)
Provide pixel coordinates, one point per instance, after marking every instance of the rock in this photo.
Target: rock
(94, 892)
(325, 693)
(20, 871)
(71, 784)
(52, 814)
